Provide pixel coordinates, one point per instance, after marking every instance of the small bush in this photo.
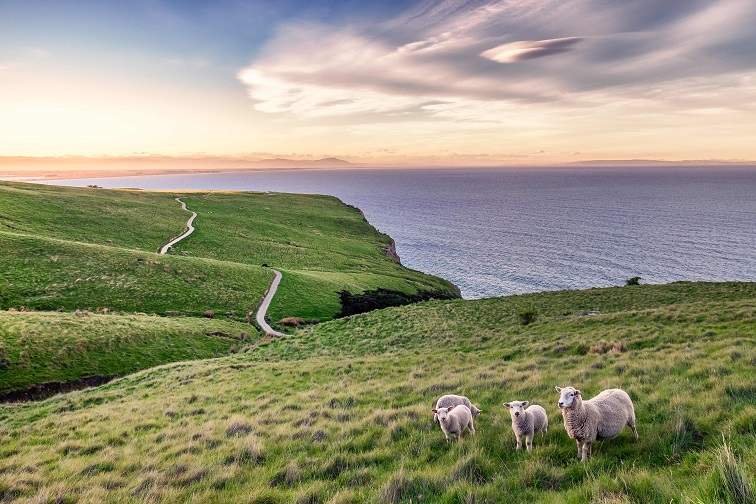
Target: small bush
(527, 317)
(292, 321)
(633, 281)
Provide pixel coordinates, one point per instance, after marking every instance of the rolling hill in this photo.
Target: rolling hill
(93, 253)
(340, 412)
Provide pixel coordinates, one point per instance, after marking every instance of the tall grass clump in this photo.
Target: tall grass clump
(734, 486)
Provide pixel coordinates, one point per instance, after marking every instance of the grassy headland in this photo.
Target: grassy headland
(341, 412)
(69, 248)
(320, 245)
(94, 250)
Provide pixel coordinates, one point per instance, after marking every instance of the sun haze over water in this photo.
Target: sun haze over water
(497, 232)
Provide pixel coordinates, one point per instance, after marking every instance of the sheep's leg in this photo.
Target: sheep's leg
(580, 448)
(529, 441)
(586, 451)
(519, 442)
(471, 427)
(631, 424)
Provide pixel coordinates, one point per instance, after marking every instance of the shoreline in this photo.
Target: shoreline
(44, 175)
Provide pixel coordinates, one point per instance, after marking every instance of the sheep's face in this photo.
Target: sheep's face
(517, 408)
(474, 410)
(442, 413)
(567, 396)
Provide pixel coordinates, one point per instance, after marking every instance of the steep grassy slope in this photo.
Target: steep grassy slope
(129, 219)
(321, 246)
(340, 412)
(51, 274)
(43, 347)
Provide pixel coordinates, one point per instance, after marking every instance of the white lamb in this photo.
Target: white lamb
(602, 417)
(451, 400)
(454, 421)
(527, 420)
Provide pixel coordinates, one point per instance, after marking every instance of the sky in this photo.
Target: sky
(395, 82)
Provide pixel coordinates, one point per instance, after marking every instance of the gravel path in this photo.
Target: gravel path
(189, 230)
(263, 309)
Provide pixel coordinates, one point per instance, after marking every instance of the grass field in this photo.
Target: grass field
(51, 274)
(73, 248)
(44, 347)
(320, 245)
(128, 219)
(341, 412)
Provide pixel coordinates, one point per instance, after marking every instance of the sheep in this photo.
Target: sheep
(451, 400)
(602, 417)
(454, 421)
(527, 420)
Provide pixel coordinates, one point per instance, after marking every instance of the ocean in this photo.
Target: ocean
(499, 231)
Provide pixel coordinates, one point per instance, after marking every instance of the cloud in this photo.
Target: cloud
(472, 60)
(529, 49)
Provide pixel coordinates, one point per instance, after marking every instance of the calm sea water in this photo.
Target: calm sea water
(502, 231)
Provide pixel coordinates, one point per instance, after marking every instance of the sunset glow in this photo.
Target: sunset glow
(451, 82)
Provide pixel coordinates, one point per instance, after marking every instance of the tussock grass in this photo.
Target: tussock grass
(734, 484)
(43, 347)
(341, 411)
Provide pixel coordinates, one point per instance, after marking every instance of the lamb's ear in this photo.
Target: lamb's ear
(558, 389)
(525, 404)
(506, 404)
(577, 392)
(434, 410)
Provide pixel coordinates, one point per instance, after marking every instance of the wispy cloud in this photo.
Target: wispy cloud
(475, 60)
(529, 49)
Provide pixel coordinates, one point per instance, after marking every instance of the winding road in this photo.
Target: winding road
(189, 230)
(263, 309)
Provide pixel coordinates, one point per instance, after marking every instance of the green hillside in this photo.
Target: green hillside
(74, 248)
(340, 412)
(128, 219)
(51, 347)
(320, 245)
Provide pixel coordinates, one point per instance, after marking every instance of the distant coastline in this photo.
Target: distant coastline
(42, 169)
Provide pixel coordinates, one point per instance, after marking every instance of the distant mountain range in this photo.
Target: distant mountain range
(330, 162)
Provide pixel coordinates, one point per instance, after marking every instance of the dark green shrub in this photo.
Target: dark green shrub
(527, 317)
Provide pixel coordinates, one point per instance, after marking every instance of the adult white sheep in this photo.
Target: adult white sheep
(602, 417)
(454, 421)
(451, 400)
(527, 420)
